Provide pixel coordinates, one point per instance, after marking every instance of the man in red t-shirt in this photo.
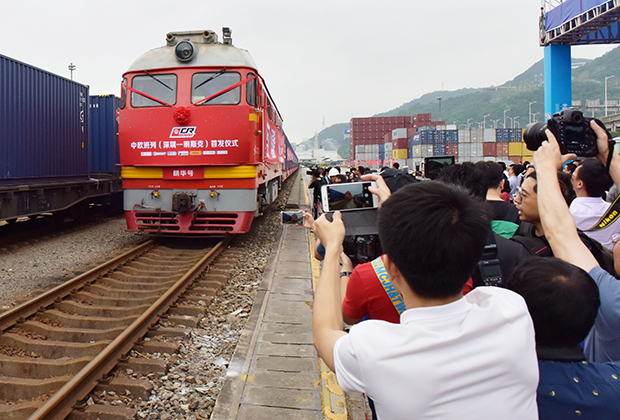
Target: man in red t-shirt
(366, 296)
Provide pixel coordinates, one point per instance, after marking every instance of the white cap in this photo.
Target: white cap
(333, 172)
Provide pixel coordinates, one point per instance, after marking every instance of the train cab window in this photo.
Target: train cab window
(205, 85)
(160, 86)
(251, 91)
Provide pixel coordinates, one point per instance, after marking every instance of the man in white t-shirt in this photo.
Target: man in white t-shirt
(451, 356)
(590, 181)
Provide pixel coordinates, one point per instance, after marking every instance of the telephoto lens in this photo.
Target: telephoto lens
(534, 135)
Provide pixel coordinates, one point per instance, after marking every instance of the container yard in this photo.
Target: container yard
(381, 141)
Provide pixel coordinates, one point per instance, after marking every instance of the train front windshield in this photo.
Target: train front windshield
(160, 86)
(206, 84)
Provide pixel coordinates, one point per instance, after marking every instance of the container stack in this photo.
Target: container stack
(399, 145)
(408, 140)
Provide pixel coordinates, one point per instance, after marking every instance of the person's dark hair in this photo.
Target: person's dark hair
(434, 233)
(566, 186)
(316, 173)
(563, 299)
(341, 178)
(595, 177)
(506, 188)
(493, 173)
(502, 165)
(517, 168)
(571, 167)
(466, 175)
(396, 165)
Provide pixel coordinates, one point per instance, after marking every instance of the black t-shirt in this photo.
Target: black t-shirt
(502, 210)
(316, 188)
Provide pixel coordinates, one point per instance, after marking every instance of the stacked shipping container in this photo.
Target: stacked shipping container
(408, 140)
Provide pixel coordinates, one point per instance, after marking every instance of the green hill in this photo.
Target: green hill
(515, 95)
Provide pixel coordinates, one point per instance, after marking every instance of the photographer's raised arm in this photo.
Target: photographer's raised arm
(603, 151)
(327, 321)
(557, 221)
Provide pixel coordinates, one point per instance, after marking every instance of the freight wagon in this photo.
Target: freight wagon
(56, 152)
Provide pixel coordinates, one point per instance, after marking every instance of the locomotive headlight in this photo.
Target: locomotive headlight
(185, 51)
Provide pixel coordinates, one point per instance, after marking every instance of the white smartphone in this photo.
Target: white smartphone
(348, 196)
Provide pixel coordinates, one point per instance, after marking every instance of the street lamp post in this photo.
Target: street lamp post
(510, 118)
(71, 69)
(495, 122)
(607, 78)
(530, 112)
(468, 120)
(484, 121)
(534, 114)
(515, 122)
(505, 111)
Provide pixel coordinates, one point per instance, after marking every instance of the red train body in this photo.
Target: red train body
(201, 142)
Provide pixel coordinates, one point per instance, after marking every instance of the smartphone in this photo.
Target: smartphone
(292, 217)
(348, 196)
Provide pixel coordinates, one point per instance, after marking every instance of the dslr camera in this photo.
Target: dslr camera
(570, 128)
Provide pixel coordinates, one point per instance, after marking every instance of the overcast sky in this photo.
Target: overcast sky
(324, 60)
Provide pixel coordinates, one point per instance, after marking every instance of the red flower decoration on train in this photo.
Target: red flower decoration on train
(181, 115)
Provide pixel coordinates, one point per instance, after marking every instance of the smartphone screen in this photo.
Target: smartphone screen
(292, 218)
(349, 196)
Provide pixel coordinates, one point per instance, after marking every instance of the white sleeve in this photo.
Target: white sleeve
(347, 365)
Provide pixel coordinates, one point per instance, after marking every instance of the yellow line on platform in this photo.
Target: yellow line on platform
(332, 396)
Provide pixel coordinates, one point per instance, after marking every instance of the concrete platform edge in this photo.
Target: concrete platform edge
(228, 401)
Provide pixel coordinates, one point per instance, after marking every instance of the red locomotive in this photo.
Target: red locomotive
(201, 142)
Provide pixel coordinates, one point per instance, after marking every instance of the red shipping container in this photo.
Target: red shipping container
(502, 149)
(400, 144)
(489, 149)
(515, 159)
(452, 149)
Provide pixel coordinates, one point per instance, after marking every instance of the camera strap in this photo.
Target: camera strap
(394, 295)
(610, 216)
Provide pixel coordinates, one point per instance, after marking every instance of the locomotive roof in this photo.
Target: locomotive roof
(216, 55)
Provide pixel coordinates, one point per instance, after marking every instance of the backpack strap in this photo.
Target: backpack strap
(395, 297)
(534, 245)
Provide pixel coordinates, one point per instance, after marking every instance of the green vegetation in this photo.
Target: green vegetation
(516, 95)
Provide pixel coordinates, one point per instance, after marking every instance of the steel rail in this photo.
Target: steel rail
(26, 309)
(60, 404)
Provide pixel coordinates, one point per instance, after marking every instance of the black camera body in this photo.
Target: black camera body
(572, 131)
(362, 248)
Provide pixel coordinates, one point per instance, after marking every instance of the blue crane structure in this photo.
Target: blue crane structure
(566, 23)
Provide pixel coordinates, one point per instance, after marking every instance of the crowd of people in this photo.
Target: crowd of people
(496, 297)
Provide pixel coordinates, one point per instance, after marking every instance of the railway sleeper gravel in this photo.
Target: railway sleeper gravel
(102, 290)
(117, 300)
(101, 412)
(77, 335)
(72, 307)
(37, 368)
(77, 321)
(51, 349)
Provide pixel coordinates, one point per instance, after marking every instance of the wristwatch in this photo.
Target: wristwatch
(345, 273)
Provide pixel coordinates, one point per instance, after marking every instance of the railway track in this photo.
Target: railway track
(55, 348)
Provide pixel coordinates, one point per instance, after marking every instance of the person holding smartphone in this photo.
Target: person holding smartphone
(316, 183)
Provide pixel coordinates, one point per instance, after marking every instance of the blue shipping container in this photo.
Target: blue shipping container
(104, 153)
(44, 125)
(452, 136)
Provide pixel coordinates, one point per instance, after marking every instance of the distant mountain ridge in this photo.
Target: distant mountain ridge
(459, 106)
